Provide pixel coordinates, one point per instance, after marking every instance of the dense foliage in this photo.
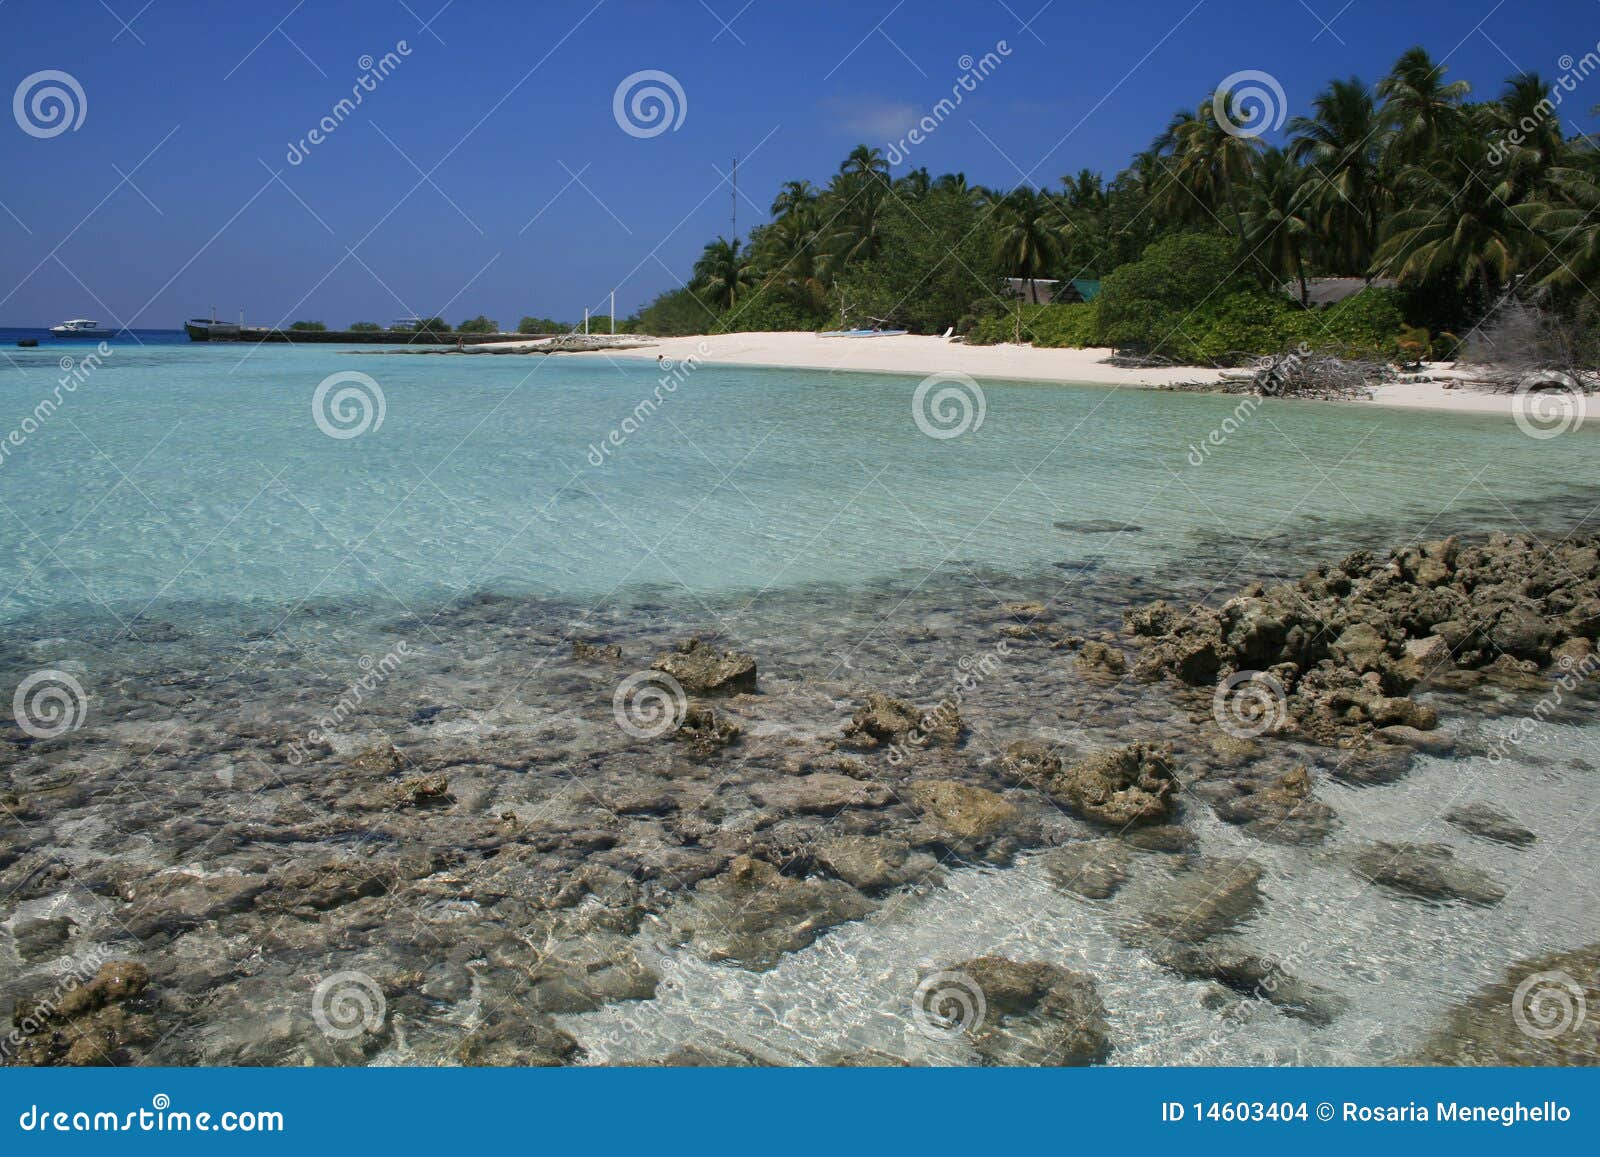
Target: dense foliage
(1206, 243)
(479, 324)
(364, 327)
(308, 327)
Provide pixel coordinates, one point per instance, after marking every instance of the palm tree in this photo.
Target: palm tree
(1420, 107)
(1086, 190)
(915, 184)
(1530, 130)
(1569, 224)
(1344, 141)
(1028, 241)
(723, 273)
(1458, 222)
(789, 255)
(1277, 221)
(794, 195)
(864, 162)
(1209, 163)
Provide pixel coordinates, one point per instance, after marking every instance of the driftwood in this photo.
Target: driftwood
(1526, 347)
(1307, 373)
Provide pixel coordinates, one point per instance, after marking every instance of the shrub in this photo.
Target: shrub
(479, 324)
(308, 327)
(769, 313)
(1049, 326)
(541, 325)
(365, 327)
(676, 313)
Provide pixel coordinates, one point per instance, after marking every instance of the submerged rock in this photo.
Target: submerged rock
(1541, 1012)
(1491, 823)
(1281, 811)
(1250, 973)
(752, 914)
(874, 863)
(1427, 871)
(1034, 1014)
(704, 732)
(1208, 897)
(1127, 785)
(968, 813)
(1094, 869)
(820, 793)
(92, 1024)
(882, 719)
(703, 670)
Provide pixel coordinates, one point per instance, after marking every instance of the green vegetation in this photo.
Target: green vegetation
(365, 327)
(479, 324)
(432, 325)
(308, 327)
(1207, 243)
(542, 325)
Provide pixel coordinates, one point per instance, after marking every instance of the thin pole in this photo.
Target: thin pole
(613, 311)
(586, 319)
(735, 217)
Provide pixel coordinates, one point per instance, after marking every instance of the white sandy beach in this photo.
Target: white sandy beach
(911, 354)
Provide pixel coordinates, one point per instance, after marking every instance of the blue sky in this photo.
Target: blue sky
(487, 173)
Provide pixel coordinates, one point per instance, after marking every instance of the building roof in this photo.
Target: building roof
(1324, 291)
(1047, 289)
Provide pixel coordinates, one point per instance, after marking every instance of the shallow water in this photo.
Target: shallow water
(216, 571)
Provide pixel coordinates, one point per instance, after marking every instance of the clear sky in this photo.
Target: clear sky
(487, 172)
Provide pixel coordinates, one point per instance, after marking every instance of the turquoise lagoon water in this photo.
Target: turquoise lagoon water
(179, 477)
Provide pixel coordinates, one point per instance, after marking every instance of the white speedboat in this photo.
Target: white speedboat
(81, 327)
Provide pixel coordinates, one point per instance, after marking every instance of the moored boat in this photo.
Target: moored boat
(81, 327)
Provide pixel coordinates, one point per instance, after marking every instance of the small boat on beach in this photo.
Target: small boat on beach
(81, 327)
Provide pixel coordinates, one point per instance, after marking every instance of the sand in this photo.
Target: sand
(911, 354)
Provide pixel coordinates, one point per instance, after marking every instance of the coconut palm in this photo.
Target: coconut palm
(1528, 129)
(1028, 238)
(1344, 141)
(1208, 162)
(1277, 218)
(723, 273)
(1569, 225)
(794, 195)
(1458, 222)
(1422, 109)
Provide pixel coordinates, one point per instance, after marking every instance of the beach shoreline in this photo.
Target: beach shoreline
(915, 355)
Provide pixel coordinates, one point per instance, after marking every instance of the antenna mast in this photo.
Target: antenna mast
(735, 198)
